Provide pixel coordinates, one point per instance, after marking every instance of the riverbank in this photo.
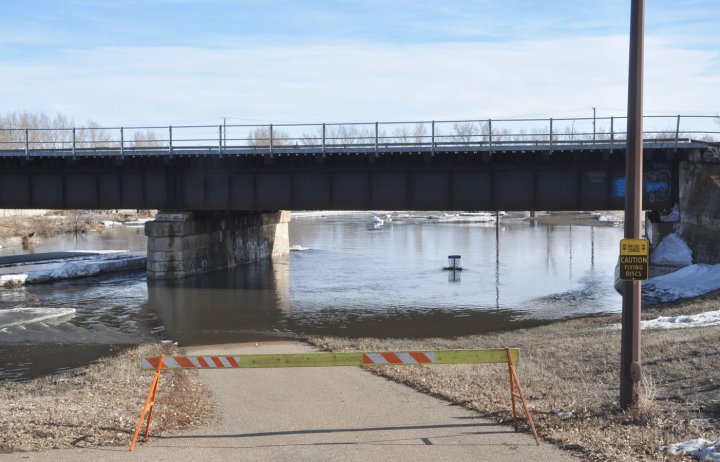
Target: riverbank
(98, 405)
(26, 229)
(605, 218)
(569, 371)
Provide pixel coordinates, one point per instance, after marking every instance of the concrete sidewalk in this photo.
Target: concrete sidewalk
(322, 414)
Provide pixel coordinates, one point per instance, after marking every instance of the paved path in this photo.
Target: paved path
(329, 414)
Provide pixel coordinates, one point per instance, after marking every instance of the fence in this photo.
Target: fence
(486, 134)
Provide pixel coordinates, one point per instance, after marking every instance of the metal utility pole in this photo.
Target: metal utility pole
(630, 370)
(594, 131)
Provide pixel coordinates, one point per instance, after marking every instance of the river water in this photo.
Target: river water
(343, 277)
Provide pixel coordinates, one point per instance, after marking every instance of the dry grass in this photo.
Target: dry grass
(99, 404)
(574, 366)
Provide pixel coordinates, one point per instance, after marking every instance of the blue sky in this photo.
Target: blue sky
(178, 61)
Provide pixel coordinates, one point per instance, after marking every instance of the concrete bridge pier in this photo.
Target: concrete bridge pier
(182, 244)
(698, 220)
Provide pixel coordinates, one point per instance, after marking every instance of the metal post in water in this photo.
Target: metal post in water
(630, 369)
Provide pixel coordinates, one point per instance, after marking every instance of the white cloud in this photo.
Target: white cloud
(359, 81)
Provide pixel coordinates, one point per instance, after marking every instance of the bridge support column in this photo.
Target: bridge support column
(182, 244)
(699, 223)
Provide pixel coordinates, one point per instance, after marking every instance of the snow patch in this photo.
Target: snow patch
(708, 318)
(17, 317)
(705, 319)
(688, 282)
(672, 251)
(298, 248)
(12, 280)
(699, 448)
(140, 222)
(609, 219)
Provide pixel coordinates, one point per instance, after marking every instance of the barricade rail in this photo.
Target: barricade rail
(479, 134)
(384, 358)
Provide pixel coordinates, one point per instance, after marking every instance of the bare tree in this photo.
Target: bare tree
(46, 133)
(93, 136)
(81, 220)
(470, 132)
(145, 139)
(260, 136)
(349, 134)
(416, 134)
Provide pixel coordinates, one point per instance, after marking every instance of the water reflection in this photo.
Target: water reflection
(386, 282)
(241, 304)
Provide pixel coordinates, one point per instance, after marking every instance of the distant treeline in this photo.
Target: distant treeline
(56, 133)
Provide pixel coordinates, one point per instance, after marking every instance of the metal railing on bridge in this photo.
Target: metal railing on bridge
(429, 136)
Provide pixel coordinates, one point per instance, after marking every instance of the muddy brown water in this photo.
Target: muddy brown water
(343, 277)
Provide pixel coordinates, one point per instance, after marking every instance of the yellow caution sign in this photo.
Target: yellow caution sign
(634, 259)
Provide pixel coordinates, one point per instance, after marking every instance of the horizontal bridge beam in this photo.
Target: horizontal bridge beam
(462, 181)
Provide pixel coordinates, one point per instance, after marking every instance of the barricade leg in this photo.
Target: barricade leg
(149, 405)
(515, 384)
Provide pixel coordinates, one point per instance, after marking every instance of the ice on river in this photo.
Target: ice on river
(54, 271)
(17, 317)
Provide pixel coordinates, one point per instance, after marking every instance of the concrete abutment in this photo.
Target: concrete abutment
(697, 219)
(182, 244)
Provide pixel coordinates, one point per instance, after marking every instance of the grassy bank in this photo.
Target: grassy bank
(573, 366)
(99, 404)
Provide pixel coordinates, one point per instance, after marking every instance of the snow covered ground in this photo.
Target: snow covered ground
(672, 251)
(708, 318)
(699, 448)
(688, 282)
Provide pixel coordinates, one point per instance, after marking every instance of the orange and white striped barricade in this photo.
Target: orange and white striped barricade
(381, 358)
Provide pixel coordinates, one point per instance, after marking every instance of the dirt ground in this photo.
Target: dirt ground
(99, 404)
